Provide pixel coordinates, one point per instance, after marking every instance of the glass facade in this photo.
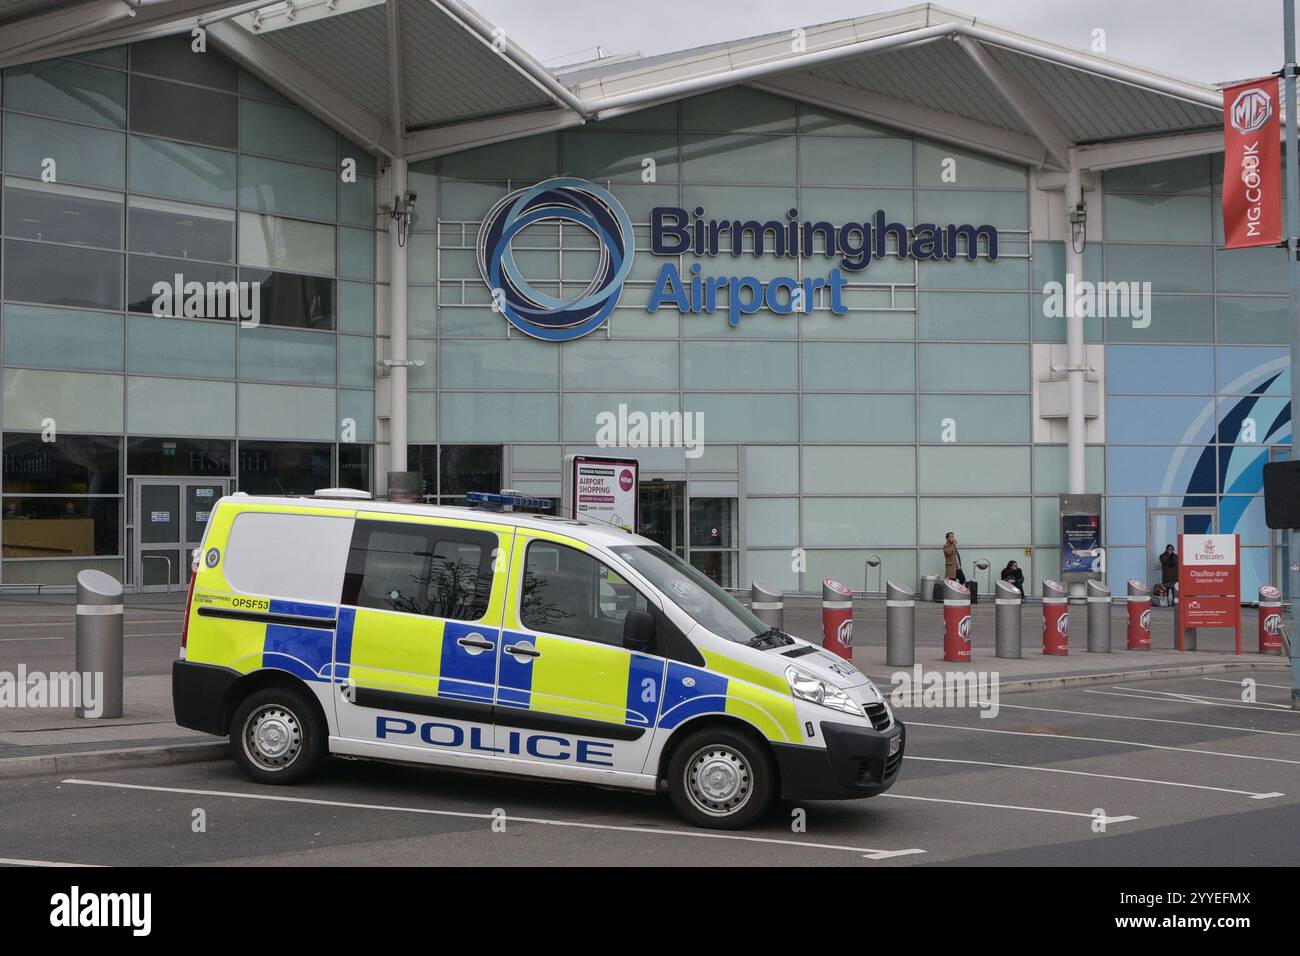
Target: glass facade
(825, 438)
(876, 431)
(157, 165)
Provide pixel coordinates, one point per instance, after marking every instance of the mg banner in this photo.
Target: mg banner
(1252, 165)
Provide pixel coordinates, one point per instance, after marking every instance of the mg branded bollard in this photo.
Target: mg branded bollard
(1098, 618)
(956, 622)
(99, 639)
(768, 604)
(1139, 616)
(837, 619)
(1056, 619)
(900, 625)
(1007, 602)
(1270, 620)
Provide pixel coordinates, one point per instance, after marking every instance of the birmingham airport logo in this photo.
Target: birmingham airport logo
(553, 201)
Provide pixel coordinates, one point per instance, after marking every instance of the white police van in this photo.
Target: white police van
(512, 643)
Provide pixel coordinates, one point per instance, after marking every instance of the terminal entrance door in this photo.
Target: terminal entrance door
(169, 518)
(663, 514)
(1163, 527)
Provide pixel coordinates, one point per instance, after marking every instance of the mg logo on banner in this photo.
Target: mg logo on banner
(1252, 165)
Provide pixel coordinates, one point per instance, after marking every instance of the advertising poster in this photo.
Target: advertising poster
(1080, 544)
(602, 490)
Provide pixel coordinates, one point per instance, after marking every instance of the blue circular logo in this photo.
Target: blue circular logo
(556, 200)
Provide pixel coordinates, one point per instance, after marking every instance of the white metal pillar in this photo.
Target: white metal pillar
(397, 249)
(1076, 362)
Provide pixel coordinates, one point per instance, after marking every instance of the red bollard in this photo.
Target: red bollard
(1270, 620)
(956, 622)
(1056, 619)
(837, 619)
(1139, 616)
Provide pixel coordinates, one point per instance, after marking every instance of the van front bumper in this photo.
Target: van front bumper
(855, 762)
(199, 696)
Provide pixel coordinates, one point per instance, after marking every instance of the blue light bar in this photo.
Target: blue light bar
(491, 499)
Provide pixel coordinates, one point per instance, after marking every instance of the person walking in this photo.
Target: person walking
(1169, 569)
(952, 560)
(1015, 577)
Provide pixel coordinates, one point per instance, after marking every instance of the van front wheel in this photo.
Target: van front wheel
(277, 736)
(721, 779)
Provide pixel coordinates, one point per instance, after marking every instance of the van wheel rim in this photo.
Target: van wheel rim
(718, 781)
(272, 737)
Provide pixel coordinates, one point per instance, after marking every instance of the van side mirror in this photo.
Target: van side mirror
(638, 630)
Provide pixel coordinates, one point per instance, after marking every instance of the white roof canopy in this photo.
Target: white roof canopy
(425, 77)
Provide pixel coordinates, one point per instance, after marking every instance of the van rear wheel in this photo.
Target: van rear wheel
(721, 779)
(277, 736)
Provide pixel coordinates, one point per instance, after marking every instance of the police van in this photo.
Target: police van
(513, 643)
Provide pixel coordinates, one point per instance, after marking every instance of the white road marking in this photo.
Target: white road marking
(24, 640)
(1224, 680)
(1102, 740)
(1008, 806)
(867, 852)
(1105, 776)
(7, 862)
(1135, 693)
(72, 623)
(1153, 720)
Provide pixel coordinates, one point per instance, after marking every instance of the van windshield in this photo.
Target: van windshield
(697, 595)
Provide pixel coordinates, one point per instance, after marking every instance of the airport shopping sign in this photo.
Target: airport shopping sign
(674, 232)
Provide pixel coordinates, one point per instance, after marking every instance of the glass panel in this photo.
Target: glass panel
(199, 501)
(859, 522)
(282, 468)
(739, 108)
(1155, 218)
(61, 527)
(177, 456)
(60, 338)
(181, 112)
(523, 362)
(214, 301)
(63, 275)
(182, 172)
(1253, 319)
(463, 468)
(286, 355)
(947, 470)
(356, 308)
(1157, 369)
(974, 418)
(289, 189)
(1167, 268)
(357, 361)
(357, 202)
(92, 157)
(874, 366)
(972, 170)
(76, 401)
(178, 229)
(357, 253)
(160, 566)
(1171, 176)
(499, 416)
(978, 522)
(287, 411)
(741, 365)
(993, 368)
(597, 363)
(837, 469)
(177, 406)
(772, 522)
(290, 244)
(82, 217)
(973, 316)
(521, 160)
(599, 155)
(296, 301)
(855, 161)
(68, 90)
(414, 569)
(285, 132)
(73, 464)
(358, 407)
(714, 523)
(662, 509)
(738, 158)
(173, 57)
(721, 567)
(771, 469)
(354, 466)
(742, 417)
(859, 418)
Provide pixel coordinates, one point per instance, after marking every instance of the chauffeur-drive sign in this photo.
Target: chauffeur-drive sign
(1252, 165)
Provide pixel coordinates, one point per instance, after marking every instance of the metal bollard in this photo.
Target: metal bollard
(1056, 619)
(768, 604)
(900, 625)
(1270, 620)
(1139, 616)
(99, 638)
(837, 619)
(1098, 618)
(1006, 624)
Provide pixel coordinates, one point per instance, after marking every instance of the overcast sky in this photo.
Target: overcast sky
(1207, 40)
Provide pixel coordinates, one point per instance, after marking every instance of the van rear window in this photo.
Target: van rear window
(420, 569)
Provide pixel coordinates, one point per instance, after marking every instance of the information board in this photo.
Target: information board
(602, 490)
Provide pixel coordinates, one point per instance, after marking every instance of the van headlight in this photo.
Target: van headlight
(806, 687)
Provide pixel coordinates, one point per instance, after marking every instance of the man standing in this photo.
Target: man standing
(1169, 568)
(952, 559)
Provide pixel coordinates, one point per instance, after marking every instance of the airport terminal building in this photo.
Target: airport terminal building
(812, 282)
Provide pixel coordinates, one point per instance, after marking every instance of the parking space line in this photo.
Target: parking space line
(1105, 776)
(1103, 740)
(1153, 720)
(1134, 693)
(7, 862)
(866, 852)
(1008, 806)
(1224, 680)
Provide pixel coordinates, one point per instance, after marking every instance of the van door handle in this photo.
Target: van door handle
(523, 649)
(475, 644)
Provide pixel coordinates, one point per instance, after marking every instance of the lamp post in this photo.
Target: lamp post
(983, 564)
(873, 561)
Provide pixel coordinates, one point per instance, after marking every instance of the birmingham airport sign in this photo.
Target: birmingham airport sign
(675, 232)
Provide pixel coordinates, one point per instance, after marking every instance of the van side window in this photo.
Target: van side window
(420, 569)
(570, 593)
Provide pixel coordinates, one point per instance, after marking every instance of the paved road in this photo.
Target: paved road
(1180, 771)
